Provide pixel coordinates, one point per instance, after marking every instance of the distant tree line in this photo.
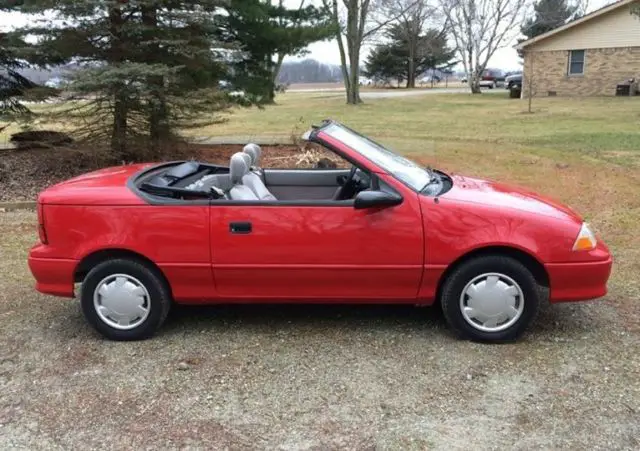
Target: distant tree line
(309, 71)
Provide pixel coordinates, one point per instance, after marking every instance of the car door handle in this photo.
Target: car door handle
(241, 228)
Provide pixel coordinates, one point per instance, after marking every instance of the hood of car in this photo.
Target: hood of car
(500, 195)
(103, 187)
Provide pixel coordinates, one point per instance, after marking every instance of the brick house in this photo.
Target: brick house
(586, 57)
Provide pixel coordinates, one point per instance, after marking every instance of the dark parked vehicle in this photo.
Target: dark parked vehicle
(492, 78)
(513, 80)
(514, 84)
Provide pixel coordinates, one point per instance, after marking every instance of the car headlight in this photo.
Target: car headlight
(586, 240)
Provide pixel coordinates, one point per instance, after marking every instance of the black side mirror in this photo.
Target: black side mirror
(373, 199)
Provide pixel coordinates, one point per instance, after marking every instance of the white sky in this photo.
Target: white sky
(327, 52)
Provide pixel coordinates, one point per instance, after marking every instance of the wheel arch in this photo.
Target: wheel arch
(95, 258)
(529, 261)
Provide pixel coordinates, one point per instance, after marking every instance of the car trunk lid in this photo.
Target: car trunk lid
(103, 187)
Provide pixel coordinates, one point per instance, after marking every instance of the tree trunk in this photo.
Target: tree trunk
(275, 71)
(353, 93)
(353, 37)
(474, 80)
(411, 76)
(120, 101)
(343, 55)
(354, 56)
(474, 84)
(119, 129)
(158, 127)
(343, 66)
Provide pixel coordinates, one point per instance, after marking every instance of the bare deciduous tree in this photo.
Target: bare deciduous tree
(356, 23)
(480, 27)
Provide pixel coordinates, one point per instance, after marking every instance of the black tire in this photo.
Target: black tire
(159, 300)
(465, 273)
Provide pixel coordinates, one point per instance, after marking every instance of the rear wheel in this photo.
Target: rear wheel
(490, 298)
(125, 299)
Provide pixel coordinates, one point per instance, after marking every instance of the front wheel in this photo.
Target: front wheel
(125, 299)
(490, 298)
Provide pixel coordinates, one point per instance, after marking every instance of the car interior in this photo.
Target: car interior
(245, 180)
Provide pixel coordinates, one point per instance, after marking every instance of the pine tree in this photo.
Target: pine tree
(549, 14)
(385, 63)
(149, 67)
(13, 86)
(397, 60)
(267, 32)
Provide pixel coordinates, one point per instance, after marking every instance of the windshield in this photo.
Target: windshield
(405, 170)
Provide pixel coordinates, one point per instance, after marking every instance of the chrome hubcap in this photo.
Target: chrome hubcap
(121, 301)
(492, 302)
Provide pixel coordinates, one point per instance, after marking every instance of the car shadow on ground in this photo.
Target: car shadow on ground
(296, 315)
(568, 320)
(565, 321)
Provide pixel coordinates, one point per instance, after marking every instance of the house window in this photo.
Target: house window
(576, 62)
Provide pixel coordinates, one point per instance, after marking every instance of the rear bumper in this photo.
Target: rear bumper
(578, 281)
(53, 275)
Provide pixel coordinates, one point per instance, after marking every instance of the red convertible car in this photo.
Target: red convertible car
(139, 238)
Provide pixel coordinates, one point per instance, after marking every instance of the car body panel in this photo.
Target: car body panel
(500, 195)
(581, 281)
(318, 252)
(456, 228)
(102, 187)
(181, 249)
(53, 276)
(311, 252)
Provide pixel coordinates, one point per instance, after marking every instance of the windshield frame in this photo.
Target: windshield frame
(416, 186)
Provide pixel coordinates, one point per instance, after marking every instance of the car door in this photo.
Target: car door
(317, 250)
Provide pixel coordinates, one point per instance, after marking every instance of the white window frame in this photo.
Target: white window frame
(569, 62)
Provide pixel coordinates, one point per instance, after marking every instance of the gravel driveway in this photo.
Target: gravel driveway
(308, 377)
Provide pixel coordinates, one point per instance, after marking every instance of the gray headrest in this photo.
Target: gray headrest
(247, 159)
(238, 168)
(254, 151)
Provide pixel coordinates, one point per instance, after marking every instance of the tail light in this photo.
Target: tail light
(42, 232)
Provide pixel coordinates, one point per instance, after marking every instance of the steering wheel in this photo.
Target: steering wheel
(350, 186)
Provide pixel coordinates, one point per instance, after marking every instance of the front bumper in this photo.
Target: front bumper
(53, 275)
(579, 281)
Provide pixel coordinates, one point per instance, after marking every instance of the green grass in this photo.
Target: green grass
(490, 118)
